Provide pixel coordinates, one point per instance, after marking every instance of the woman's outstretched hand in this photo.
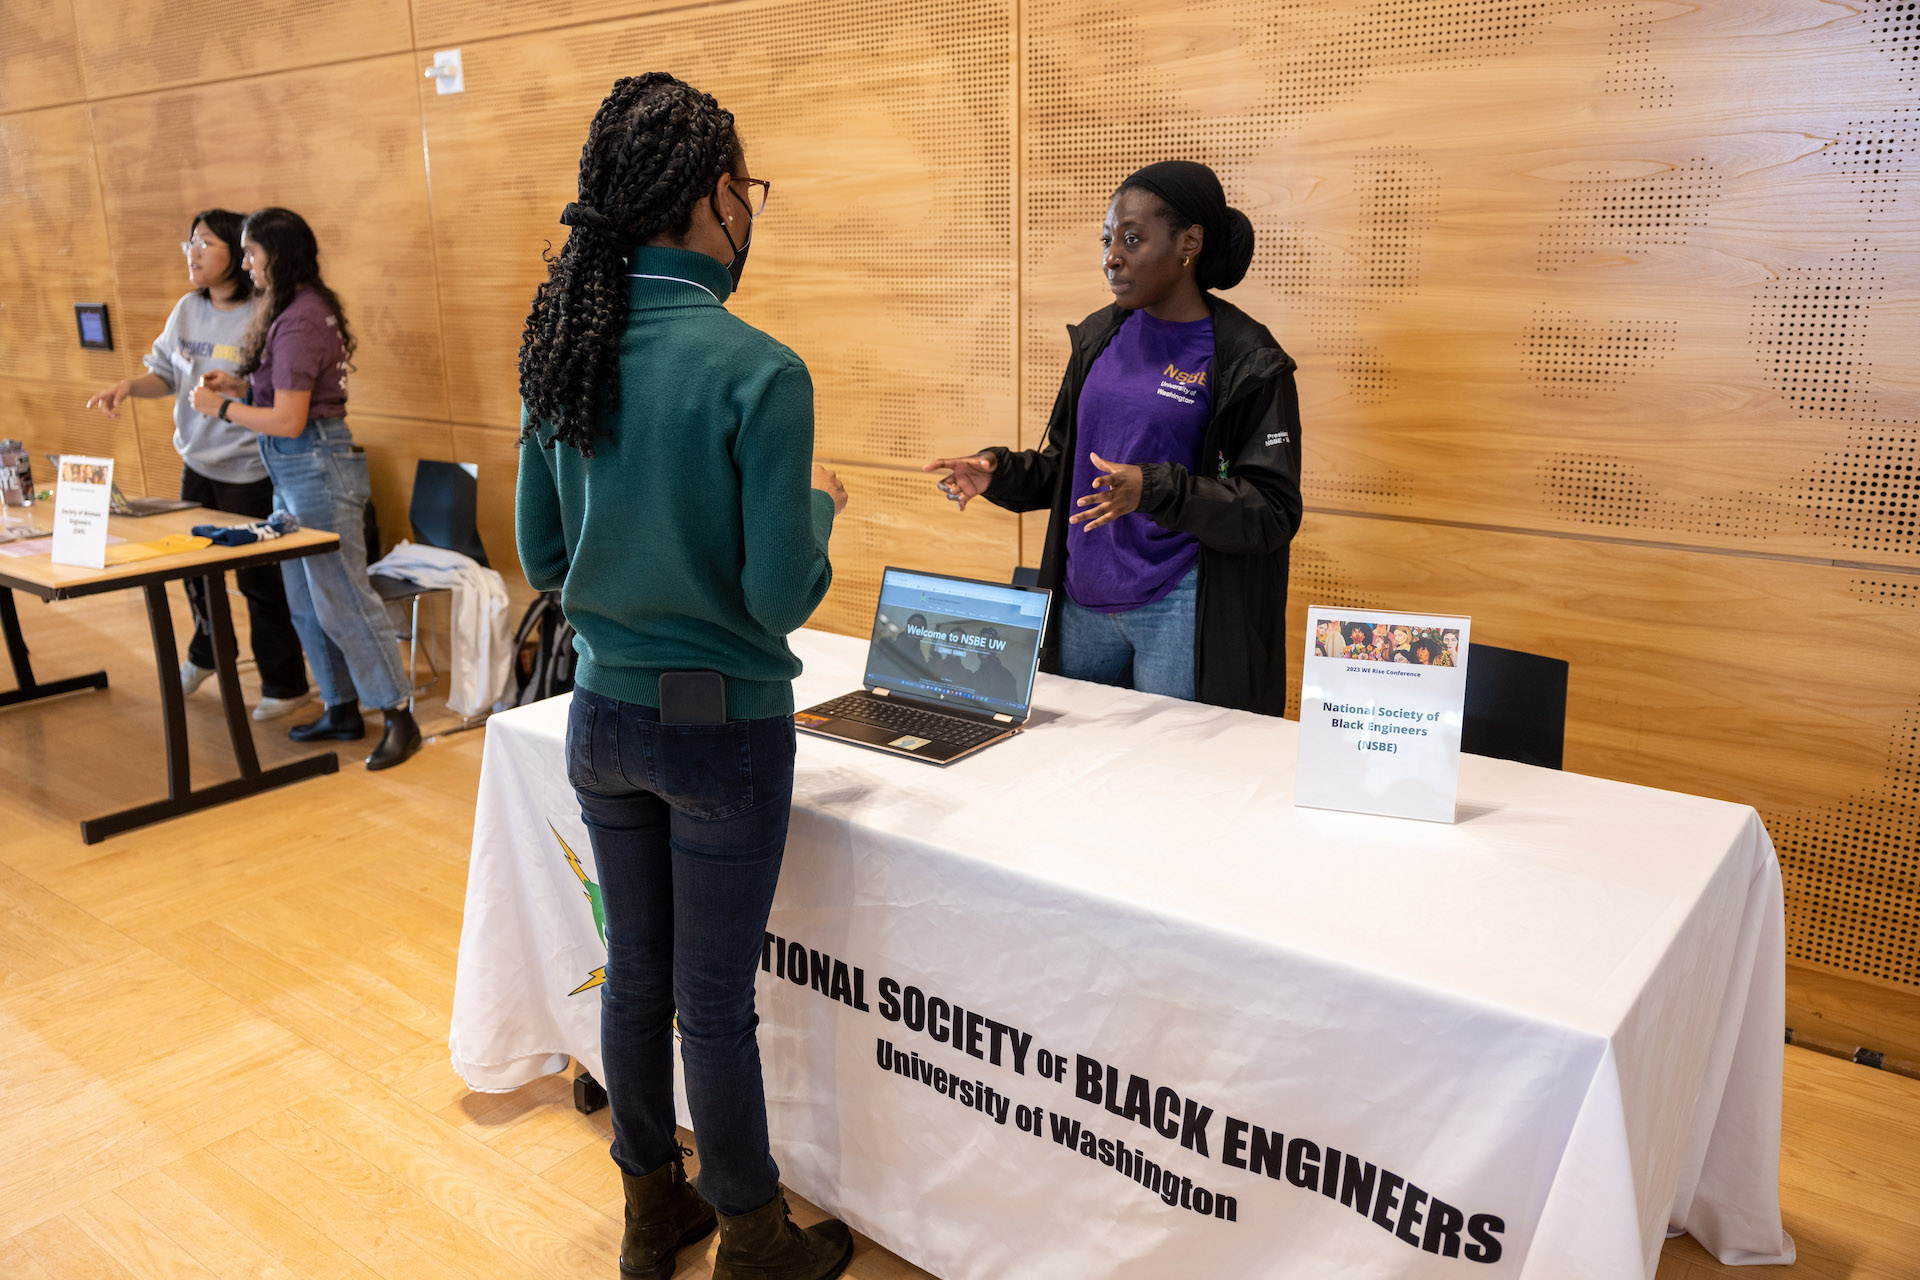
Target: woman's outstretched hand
(1117, 491)
(109, 401)
(969, 477)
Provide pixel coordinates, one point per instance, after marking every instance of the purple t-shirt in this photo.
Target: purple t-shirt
(1146, 399)
(304, 352)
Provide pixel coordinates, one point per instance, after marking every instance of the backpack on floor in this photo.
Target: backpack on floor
(543, 652)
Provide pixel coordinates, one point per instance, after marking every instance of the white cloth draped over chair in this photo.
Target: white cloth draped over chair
(481, 641)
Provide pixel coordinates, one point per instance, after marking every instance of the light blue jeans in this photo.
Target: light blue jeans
(1149, 648)
(341, 622)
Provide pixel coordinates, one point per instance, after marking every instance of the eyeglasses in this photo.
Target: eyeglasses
(758, 189)
(188, 246)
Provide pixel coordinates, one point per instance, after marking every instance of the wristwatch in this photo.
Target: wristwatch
(224, 406)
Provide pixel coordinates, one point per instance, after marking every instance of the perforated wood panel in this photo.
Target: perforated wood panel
(1249, 89)
(53, 252)
(160, 464)
(884, 257)
(1867, 494)
(1851, 868)
(39, 54)
(132, 47)
(1610, 215)
(339, 145)
(49, 418)
(1764, 682)
(438, 23)
(1682, 238)
(1568, 357)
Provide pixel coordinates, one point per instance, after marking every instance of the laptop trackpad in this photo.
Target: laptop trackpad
(876, 735)
(858, 732)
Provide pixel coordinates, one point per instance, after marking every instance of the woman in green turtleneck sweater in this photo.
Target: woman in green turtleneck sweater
(667, 491)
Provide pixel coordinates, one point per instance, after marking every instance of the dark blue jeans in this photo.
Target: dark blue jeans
(688, 825)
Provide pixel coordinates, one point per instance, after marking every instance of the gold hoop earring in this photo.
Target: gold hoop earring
(1186, 260)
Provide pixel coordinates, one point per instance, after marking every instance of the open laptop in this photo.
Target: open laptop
(121, 505)
(949, 670)
(137, 507)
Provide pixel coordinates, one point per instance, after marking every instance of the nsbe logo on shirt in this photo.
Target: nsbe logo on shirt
(1178, 385)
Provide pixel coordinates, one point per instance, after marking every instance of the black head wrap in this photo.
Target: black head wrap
(1193, 191)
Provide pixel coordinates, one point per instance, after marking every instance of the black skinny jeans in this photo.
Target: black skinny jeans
(276, 646)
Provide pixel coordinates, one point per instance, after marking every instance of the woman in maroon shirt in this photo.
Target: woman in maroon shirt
(296, 361)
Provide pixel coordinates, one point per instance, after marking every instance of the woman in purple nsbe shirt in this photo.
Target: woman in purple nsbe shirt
(1171, 465)
(296, 360)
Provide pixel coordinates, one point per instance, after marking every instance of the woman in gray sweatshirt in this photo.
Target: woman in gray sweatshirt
(222, 468)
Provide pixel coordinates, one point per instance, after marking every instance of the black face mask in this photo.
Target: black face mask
(739, 263)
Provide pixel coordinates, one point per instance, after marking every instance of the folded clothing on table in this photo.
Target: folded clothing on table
(239, 535)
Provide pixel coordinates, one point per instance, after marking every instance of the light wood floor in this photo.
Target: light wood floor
(223, 1039)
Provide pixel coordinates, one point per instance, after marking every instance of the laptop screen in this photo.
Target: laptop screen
(973, 645)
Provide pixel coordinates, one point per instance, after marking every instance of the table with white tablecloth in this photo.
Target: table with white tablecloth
(1100, 1001)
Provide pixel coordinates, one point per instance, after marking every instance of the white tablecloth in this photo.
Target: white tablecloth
(1560, 1017)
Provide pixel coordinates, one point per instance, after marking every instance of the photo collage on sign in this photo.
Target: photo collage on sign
(1358, 641)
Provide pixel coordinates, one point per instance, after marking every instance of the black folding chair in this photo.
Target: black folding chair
(1516, 706)
(444, 513)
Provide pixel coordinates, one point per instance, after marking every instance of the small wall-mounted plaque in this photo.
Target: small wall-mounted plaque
(447, 72)
(96, 331)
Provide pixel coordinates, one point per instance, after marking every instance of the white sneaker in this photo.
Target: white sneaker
(192, 677)
(274, 708)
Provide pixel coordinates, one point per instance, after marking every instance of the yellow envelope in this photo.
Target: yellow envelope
(171, 545)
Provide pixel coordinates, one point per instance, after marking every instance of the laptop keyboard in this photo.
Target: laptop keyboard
(921, 724)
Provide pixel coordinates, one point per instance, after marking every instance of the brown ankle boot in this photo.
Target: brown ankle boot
(765, 1245)
(664, 1215)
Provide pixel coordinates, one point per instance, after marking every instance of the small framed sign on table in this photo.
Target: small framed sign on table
(82, 496)
(1380, 711)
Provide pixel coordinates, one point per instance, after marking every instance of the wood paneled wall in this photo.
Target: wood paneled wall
(1601, 308)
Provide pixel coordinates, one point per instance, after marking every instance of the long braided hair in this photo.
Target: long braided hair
(655, 150)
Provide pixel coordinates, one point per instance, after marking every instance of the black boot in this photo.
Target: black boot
(400, 741)
(765, 1245)
(336, 724)
(664, 1215)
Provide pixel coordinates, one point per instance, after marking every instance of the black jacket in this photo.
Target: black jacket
(1244, 513)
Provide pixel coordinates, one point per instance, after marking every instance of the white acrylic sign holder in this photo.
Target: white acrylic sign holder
(1380, 727)
(82, 498)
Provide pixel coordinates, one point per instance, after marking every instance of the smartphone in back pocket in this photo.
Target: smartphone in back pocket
(693, 697)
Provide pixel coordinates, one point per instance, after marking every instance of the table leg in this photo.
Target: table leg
(173, 699)
(588, 1094)
(226, 662)
(181, 796)
(26, 688)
